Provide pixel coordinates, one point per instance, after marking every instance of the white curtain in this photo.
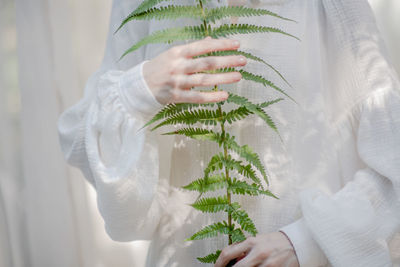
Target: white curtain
(48, 213)
(60, 43)
(387, 13)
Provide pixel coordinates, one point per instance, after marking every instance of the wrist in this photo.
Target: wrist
(135, 92)
(307, 250)
(145, 74)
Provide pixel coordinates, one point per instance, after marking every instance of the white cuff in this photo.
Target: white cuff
(135, 92)
(307, 250)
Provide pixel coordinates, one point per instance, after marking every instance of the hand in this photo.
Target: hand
(172, 74)
(264, 250)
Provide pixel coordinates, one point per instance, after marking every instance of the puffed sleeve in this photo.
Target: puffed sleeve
(354, 226)
(100, 135)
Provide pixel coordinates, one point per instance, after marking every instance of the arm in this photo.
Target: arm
(357, 65)
(354, 226)
(99, 135)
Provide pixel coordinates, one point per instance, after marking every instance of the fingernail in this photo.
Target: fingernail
(236, 43)
(242, 59)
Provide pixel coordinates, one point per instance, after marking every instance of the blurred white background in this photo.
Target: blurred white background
(48, 213)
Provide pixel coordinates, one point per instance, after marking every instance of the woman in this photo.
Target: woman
(337, 173)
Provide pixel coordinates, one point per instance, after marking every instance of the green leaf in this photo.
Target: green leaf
(238, 236)
(242, 218)
(259, 79)
(169, 12)
(144, 6)
(218, 162)
(248, 154)
(251, 77)
(231, 29)
(237, 11)
(174, 108)
(236, 114)
(211, 258)
(190, 117)
(212, 231)
(241, 187)
(169, 36)
(211, 204)
(212, 183)
(195, 133)
(247, 55)
(242, 101)
(268, 103)
(244, 151)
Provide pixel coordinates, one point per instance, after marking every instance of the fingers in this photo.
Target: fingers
(232, 252)
(179, 72)
(204, 79)
(248, 261)
(213, 63)
(207, 45)
(190, 96)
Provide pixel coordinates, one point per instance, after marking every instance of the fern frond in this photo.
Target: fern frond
(248, 154)
(242, 112)
(243, 219)
(251, 77)
(242, 101)
(268, 103)
(199, 134)
(195, 133)
(190, 117)
(212, 183)
(236, 114)
(238, 236)
(244, 151)
(218, 162)
(217, 174)
(242, 188)
(231, 29)
(245, 170)
(169, 36)
(259, 79)
(168, 12)
(237, 11)
(174, 108)
(212, 231)
(143, 7)
(211, 258)
(247, 55)
(211, 204)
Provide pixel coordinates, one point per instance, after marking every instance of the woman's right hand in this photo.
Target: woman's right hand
(172, 74)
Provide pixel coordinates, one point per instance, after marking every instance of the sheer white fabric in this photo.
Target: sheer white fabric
(337, 173)
(51, 215)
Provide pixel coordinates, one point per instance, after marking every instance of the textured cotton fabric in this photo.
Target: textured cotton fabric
(336, 173)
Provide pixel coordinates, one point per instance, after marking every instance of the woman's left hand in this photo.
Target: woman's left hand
(264, 250)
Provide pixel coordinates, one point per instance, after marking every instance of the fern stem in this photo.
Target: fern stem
(222, 123)
(228, 180)
(204, 21)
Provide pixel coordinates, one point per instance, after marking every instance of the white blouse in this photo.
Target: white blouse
(337, 172)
